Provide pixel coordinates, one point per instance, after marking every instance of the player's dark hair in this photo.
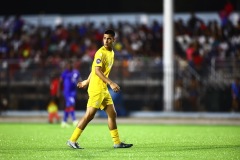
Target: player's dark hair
(110, 31)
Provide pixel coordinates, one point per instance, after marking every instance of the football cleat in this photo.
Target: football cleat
(74, 145)
(122, 145)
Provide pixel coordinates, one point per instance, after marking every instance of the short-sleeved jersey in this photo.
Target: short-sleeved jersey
(103, 58)
(70, 80)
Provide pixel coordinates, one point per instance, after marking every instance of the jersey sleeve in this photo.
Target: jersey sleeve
(98, 59)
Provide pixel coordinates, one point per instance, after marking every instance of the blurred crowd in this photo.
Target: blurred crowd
(47, 47)
(196, 43)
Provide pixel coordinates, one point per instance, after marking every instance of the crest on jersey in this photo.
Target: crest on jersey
(98, 61)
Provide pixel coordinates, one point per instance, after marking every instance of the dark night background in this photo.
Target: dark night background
(26, 7)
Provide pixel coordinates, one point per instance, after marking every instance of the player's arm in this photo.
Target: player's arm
(84, 83)
(99, 73)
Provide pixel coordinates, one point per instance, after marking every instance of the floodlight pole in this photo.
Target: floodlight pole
(168, 50)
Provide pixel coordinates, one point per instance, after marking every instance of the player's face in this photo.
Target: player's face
(108, 41)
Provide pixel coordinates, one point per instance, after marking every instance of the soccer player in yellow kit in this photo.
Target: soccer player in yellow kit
(99, 96)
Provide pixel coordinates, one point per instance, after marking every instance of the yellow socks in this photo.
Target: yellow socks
(115, 136)
(76, 134)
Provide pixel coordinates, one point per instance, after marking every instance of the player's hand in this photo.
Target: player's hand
(114, 87)
(82, 84)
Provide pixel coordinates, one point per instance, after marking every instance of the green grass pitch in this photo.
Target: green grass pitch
(28, 141)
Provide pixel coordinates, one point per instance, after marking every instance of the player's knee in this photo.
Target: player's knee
(113, 115)
(89, 117)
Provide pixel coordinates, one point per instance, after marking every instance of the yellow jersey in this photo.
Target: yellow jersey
(52, 107)
(103, 58)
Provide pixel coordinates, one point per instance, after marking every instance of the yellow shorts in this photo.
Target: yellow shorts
(99, 100)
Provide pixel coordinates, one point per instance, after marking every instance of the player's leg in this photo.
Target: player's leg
(112, 115)
(94, 103)
(112, 124)
(71, 104)
(108, 107)
(66, 112)
(73, 115)
(89, 115)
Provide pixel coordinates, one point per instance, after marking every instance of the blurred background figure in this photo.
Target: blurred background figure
(52, 109)
(193, 92)
(225, 13)
(235, 89)
(193, 23)
(68, 80)
(3, 104)
(54, 86)
(179, 95)
(53, 104)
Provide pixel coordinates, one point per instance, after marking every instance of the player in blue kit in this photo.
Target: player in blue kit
(69, 79)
